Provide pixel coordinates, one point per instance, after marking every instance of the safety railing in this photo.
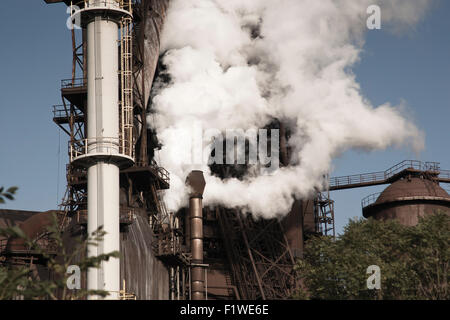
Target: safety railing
(163, 174)
(60, 111)
(356, 179)
(383, 175)
(444, 174)
(108, 4)
(104, 146)
(126, 215)
(73, 83)
(411, 164)
(166, 244)
(370, 199)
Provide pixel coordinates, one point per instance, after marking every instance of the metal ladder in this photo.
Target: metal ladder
(126, 92)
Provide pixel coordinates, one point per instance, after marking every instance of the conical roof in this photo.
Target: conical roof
(414, 187)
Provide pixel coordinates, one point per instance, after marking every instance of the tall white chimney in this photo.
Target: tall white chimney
(105, 149)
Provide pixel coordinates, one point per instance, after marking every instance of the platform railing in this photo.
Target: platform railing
(73, 83)
(444, 174)
(163, 174)
(108, 4)
(127, 215)
(370, 199)
(411, 164)
(381, 176)
(60, 111)
(104, 145)
(357, 178)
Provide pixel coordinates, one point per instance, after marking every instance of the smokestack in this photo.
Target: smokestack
(105, 149)
(197, 183)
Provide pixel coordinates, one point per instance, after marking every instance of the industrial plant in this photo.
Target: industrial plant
(114, 181)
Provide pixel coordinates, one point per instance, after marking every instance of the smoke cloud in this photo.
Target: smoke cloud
(241, 63)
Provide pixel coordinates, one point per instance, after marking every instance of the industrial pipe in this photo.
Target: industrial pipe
(196, 182)
(104, 156)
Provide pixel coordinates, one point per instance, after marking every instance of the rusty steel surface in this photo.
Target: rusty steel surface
(149, 16)
(10, 218)
(259, 256)
(407, 199)
(293, 228)
(412, 187)
(18, 251)
(196, 182)
(32, 227)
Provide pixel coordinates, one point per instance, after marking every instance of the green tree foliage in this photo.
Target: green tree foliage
(8, 194)
(21, 281)
(414, 261)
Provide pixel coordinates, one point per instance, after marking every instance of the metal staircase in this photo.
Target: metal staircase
(324, 214)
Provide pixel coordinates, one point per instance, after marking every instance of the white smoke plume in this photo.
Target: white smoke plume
(296, 69)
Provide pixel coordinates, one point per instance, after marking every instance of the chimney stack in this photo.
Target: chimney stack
(196, 181)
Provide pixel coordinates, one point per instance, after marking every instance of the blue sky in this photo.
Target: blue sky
(414, 67)
(36, 54)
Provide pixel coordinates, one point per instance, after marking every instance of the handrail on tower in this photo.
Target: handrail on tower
(382, 177)
(72, 83)
(104, 146)
(123, 4)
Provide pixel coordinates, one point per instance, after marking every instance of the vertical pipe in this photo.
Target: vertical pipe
(187, 231)
(74, 56)
(103, 178)
(196, 182)
(172, 283)
(178, 283)
(196, 216)
(84, 39)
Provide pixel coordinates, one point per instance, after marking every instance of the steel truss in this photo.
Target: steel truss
(260, 258)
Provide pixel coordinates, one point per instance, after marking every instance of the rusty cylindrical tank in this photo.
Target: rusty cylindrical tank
(408, 199)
